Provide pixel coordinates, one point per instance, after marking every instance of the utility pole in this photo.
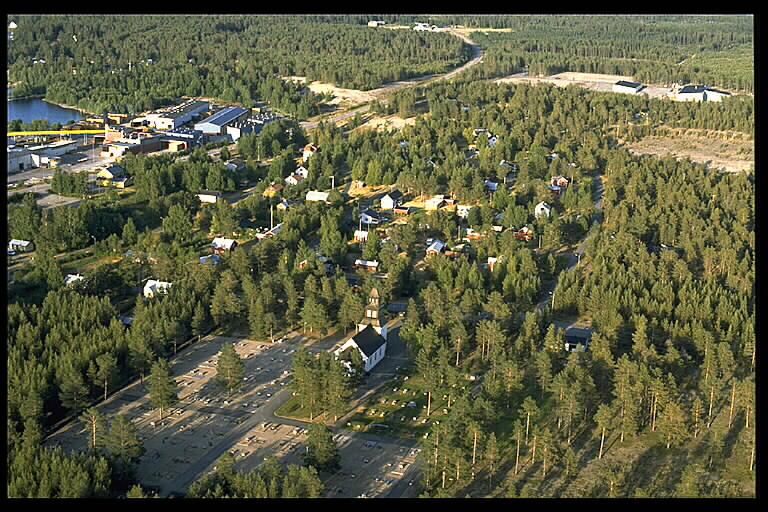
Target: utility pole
(553, 299)
(271, 218)
(333, 182)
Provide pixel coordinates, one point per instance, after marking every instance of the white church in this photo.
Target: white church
(371, 337)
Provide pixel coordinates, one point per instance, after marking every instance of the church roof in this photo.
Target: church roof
(368, 341)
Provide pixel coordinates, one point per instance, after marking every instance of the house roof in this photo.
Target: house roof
(222, 243)
(209, 193)
(370, 213)
(368, 340)
(367, 263)
(395, 194)
(436, 246)
(624, 83)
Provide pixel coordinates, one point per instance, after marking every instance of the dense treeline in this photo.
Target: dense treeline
(650, 49)
(237, 59)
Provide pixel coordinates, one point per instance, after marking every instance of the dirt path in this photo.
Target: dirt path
(353, 97)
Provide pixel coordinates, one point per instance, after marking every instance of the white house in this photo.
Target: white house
(462, 210)
(392, 200)
(223, 244)
(20, 245)
(542, 209)
(370, 266)
(434, 203)
(360, 235)
(294, 179)
(375, 23)
(627, 87)
(371, 337)
(207, 196)
(154, 287)
(72, 278)
(308, 151)
(369, 217)
(315, 195)
(301, 171)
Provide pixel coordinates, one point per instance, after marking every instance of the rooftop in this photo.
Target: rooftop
(225, 116)
(368, 340)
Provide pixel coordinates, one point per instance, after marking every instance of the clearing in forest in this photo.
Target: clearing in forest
(716, 153)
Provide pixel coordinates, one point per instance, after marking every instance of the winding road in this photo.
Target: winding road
(381, 92)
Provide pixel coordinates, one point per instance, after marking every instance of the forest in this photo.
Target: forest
(138, 63)
(661, 405)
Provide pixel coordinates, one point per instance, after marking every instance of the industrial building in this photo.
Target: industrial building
(174, 117)
(627, 87)
(180, 139)
(700, 93)
(216, 124)
(19, 159)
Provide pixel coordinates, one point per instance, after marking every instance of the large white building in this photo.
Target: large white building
(174, 117)
(155, 287)
(700, 93)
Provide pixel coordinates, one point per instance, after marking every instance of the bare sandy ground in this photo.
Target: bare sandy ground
(726, 155)
(591, 81)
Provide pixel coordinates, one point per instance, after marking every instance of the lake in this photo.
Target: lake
(35, 108)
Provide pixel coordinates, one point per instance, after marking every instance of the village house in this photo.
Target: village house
(524, 234)
(294, 179)
(360, 235)
(213, 259)
(272, 190)
(308, 151)
(462, 210)
(434, 203)
(369, 216)
(154, 288)
(316, 195)
(208, 196)
(370, 340)
(221, 244)
(235, 164)
(105, 176)
(284, 205)
(20, 245)
(576, 343)
(392, 200)
(70, 279)
(542, 209)
(368, 266)
(402, 210)
(436, 247)
(490, 185)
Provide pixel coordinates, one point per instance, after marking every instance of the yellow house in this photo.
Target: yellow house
(105, 176)
(273, 189)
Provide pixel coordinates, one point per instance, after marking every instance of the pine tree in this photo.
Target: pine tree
(229, 369)
(93, 421)
(163, 389)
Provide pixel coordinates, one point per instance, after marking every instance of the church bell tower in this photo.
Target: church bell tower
(373, 314)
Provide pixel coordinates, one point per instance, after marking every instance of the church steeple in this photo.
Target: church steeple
(373, 314)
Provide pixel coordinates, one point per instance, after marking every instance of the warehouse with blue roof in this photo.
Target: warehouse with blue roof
(216, 124)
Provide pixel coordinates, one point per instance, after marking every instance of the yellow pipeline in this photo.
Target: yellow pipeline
(62, 132)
